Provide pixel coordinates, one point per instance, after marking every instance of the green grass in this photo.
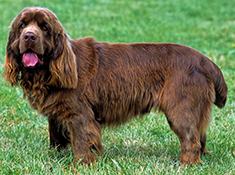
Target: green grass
(145, 146)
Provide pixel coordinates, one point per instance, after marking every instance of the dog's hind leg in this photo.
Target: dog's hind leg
(185, 127)
(187, 102)
(206, 107)
(203, 138)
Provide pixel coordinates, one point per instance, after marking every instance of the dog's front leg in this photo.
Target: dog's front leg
(58, 137)
(85, 136)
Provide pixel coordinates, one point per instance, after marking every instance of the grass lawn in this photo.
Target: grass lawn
(145, 146)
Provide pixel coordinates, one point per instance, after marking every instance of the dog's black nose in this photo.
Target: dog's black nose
(30, 37)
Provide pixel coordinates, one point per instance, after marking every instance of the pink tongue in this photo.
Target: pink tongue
(30, 59)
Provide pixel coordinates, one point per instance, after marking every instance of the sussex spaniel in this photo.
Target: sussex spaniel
(81, 84)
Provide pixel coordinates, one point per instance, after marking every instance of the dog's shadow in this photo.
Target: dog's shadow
(138, 153)
(134, 151)
(120, 152)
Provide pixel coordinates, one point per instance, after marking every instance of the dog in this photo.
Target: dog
(81, 84)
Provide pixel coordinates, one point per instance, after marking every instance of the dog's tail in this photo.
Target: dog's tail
(221, 90)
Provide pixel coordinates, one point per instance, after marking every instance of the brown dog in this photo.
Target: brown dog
(81, 84)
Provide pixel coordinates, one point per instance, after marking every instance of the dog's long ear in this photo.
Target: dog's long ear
(12, 68)
(63, 66)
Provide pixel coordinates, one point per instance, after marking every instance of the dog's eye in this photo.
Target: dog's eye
(44, 28)
(22, 26)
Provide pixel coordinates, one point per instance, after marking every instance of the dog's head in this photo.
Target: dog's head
(37, 40)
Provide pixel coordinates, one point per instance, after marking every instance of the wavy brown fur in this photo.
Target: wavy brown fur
(83, 84)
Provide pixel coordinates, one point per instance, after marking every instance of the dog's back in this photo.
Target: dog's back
(130, 79)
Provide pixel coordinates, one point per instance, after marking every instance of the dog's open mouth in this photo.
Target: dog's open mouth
(30, 59)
